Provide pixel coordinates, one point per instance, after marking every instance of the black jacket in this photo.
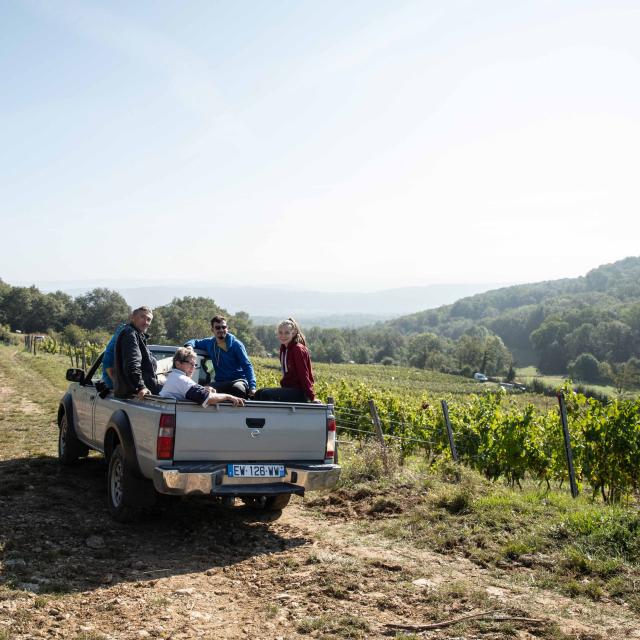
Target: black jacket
(135, 367)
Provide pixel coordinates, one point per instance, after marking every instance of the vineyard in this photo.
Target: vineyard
(501, 435)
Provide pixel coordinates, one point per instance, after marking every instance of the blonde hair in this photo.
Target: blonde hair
(298, 336)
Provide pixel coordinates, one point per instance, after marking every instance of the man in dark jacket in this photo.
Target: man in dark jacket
(135, 367)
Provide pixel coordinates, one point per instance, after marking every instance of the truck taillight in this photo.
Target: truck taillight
(166, 436)
(331, 440)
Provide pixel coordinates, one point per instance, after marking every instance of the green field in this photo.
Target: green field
(526, 375)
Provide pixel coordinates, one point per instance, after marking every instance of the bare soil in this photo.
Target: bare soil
(192, 569)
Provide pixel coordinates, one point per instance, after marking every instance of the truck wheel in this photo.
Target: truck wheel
(69, 447)
(118, 480)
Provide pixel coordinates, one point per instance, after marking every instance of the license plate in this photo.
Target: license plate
(256, 470)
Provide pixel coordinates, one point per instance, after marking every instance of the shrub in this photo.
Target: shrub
(367, 463)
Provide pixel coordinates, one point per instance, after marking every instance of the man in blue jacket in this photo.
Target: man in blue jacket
(233, 369)
(109, 357)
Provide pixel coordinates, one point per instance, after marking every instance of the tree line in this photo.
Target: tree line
(91, 318)
(587, 328)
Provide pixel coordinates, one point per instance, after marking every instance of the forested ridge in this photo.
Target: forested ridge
(588, 327)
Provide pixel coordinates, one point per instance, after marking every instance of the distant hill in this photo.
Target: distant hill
(273, 302)
(550, 323)
(328, 321)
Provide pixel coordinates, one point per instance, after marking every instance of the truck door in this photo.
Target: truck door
(83, 400)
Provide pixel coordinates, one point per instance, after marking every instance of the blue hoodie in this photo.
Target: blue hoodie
(109, 357)
(232, 364)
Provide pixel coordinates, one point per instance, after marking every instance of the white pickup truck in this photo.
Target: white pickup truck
(262, 453)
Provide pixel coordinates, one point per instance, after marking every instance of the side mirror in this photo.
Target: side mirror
(75, 375)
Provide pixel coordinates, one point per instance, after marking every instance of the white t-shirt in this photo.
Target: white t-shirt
(182, 387)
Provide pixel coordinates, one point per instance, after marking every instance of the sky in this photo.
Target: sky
(331, 145)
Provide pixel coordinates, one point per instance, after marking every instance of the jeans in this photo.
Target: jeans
(238, 388)
(281, 394)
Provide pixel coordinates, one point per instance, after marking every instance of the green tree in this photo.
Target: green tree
(582, 340)
(548, 341)
(241, 326)
(627, 375)
(102, 309)
(615, 339)
(469, 352)
(188, 317)
(18, 307)
(585, 368)
(496, 356)
(74, 335)
(429, 351)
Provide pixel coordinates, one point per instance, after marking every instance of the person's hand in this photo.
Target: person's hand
(237, 402)
(317, 401)
(142, 393)
(251, 393)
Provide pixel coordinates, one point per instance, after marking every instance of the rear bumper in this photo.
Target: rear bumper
(212, 479)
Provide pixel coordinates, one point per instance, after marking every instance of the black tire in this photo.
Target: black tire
(268, 504)
(118, 484)
(69, 447)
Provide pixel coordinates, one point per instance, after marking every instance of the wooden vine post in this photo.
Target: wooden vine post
(567, 444)
(380, 436)
(447, 422)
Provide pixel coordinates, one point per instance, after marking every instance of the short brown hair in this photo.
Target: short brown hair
(184, 354)
(217, 319)
(142, 309)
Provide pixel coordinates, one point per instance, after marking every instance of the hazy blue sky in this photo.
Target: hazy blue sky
(323, 144)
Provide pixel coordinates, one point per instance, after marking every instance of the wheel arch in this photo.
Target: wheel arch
(66, 408)
(119, 432)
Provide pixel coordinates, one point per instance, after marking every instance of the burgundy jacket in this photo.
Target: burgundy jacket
(296, 368)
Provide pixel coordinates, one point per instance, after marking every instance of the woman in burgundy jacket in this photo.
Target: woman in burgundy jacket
(296, 384)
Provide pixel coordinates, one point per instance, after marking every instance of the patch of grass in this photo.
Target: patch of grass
(455, 500)
(309, 625)
(587, 588)
(367, 462)
(576, 547)
(344, 626)
(159, 602)
(272, 610)
(337, 592)
(605, 531)
(462, 592)
(517, 548)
